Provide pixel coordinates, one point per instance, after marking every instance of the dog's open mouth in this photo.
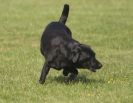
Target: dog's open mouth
(93, 70)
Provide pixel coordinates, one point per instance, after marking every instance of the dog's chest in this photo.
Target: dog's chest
(59, 63)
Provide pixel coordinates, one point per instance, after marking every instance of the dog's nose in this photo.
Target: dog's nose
(100, 65)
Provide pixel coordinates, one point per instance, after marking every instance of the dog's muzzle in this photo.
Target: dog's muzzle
(94, 68)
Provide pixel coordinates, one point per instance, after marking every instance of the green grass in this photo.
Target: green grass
(107, 26)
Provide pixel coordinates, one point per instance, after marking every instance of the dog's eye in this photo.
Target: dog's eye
(85, 60)
(89, 57)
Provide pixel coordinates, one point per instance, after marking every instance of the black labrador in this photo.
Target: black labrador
(61, 51)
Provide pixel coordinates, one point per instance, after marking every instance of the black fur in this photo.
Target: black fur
(61, 51)
(64, 14)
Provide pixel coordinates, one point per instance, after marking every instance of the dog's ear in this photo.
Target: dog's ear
(75, 57)
(74, 52)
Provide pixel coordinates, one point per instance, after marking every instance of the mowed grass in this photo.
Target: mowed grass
(107, 26)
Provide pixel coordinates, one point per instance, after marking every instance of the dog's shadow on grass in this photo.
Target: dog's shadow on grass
(80, 79)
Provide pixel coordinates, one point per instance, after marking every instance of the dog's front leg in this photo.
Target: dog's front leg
(72, 76)
(44, 73)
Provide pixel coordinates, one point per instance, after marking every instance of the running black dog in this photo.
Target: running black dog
(61, 51)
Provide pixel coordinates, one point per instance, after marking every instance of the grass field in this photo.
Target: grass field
(106, 25)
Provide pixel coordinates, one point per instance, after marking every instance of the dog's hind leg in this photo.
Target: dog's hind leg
(44, 73)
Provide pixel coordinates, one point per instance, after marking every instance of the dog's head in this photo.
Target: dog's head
(85, 57)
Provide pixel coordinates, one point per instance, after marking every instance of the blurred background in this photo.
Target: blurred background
(105, 25)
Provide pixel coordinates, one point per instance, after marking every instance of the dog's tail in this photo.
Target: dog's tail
(64, 14)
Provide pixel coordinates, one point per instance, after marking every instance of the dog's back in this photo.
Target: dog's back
(56, 30)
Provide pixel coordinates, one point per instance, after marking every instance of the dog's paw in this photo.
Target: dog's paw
(41, 81)
(71, 77)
